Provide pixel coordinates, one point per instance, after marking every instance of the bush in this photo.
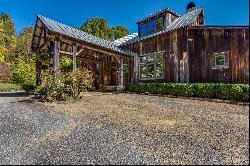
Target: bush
(237, 92)
(24, 74)
(40, 90)
(63, 86)
(8, 87)
(5, 72)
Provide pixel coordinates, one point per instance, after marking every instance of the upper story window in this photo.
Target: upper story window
(221, 61)
(152, 26)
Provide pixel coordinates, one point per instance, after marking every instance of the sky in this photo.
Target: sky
(118, 12)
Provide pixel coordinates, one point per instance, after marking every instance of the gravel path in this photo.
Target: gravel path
(123, 129)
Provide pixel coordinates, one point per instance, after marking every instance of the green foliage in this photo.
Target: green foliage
(66, 63)
(8, 24)
(23, 61)
(8, 87)
(100, 28)
(7, 35)
(237, 92)
(24, 74)
(40, 90)
(22, 51)
(63, 86)
(118, 32)
(44, 58)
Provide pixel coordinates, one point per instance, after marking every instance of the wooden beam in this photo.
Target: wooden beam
(66, 52)
(40, 37)
(79, 52)
(136, 68)
(38, 72)
(121, 74)
(74, 57)
(56, 56)
(93, 49)
(43, 45)
(89, 60)
(90, 57)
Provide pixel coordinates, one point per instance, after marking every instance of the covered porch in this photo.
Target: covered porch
(111, 65)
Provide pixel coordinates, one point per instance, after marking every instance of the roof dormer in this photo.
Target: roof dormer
(156, 22)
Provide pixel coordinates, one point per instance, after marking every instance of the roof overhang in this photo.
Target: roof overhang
(46, 30)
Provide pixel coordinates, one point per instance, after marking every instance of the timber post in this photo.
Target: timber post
(121, 74)
(38, 72)
(56, 56)
(74, 57)
(136, 68)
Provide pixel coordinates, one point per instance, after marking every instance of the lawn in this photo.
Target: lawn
(8, 87)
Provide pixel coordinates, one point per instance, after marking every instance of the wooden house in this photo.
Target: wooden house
(168, 47)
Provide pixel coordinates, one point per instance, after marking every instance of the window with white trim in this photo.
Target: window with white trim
(151, 67)
(221, 61)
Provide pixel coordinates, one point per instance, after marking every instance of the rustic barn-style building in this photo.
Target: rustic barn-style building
(168, 47)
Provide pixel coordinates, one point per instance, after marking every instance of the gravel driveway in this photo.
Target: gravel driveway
(123, 129)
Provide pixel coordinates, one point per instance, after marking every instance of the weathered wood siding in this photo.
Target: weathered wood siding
(188, 53)
(207, 42)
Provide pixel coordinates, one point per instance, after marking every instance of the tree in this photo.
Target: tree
(8, 24)
(23, 60)
(118, 32)
(3, 50)
(22, 51)
(7, 35)
(100, 28)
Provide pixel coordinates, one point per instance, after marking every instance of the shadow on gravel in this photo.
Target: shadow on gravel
(26, 101)
(13, 94)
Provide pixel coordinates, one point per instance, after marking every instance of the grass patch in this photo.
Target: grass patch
(9, 87)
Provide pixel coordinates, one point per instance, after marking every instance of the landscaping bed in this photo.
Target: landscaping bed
(231, 92)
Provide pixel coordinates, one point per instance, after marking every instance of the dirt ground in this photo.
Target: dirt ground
(124, 129)
(224, 127)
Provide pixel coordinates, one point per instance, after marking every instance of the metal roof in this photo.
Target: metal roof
(158, 13)
(185, 20)
(80, 35)
(125, 39)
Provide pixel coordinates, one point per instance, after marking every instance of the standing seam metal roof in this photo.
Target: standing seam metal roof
(79, 34)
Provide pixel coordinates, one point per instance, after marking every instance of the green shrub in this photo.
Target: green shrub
(63, 86)
(40, 90)
(237, 92)
(24, 74)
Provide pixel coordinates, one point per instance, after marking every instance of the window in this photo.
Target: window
(220, 61)
(151, 67)
(153, 26)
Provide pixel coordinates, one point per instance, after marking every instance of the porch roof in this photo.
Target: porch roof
(75, 33)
